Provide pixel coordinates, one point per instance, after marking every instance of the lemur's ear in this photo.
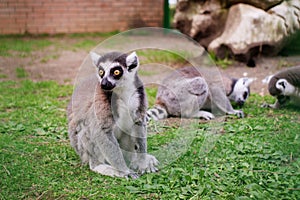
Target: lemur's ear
(132, 61)
(95, 58)
(248, 81)
(267, 79)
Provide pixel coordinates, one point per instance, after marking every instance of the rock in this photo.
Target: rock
(289, 11)
(205, 20)
(263, 4)
(201, 20)
(250, 31)
(207, 26)
(239, 30)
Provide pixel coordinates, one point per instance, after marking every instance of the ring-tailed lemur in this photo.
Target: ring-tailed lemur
(107, 118)
(185, 93)
(285, 86)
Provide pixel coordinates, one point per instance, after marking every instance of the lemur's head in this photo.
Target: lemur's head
(240, 90)
(278, 86)
(115, 68)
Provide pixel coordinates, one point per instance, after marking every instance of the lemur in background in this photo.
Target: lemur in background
(285, 86)
(107, 118)
(185, 93)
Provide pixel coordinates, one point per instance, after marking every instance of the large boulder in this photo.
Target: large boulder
(201, 20)
(233, 28)
(263, 4)
(250, 30)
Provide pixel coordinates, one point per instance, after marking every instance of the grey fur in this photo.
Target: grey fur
(107, 128)
(185, 93)
(284, 85)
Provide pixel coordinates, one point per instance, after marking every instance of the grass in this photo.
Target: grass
(86, 44)
(223, 63)
(26, 46)
(23, 46)
(161, 56)
(21, 72)
(49, 57)
(96, 34)
(255, 158)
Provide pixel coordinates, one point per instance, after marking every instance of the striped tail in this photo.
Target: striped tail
(156, 113)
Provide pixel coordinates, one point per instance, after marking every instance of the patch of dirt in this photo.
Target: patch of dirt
(63, 67)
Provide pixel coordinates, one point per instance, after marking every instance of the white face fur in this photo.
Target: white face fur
(286, 88)
(115, 73)
(241, 91)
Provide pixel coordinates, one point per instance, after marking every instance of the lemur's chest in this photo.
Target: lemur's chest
(292, 91)
(125, 110)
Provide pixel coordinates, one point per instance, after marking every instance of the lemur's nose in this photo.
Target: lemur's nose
(106, 84)
(240, 102)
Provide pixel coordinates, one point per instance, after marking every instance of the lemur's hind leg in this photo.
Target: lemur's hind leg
(194, 95)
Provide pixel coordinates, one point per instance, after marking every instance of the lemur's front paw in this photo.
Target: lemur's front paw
(265, 105)
(146, 165)
(151, 164)
(207, 116)
(239, 113)
(108, 170)
(132, 175)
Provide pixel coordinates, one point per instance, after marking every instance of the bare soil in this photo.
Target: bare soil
(63, 65)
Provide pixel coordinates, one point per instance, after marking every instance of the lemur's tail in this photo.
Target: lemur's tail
(156, 113)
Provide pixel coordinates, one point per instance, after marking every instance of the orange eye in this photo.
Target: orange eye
(117, 72)
(101, 72)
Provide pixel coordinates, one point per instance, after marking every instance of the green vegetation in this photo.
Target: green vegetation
(257, 157)
(252, 158)
(26, 46)
(223, 63)
(161, 56)
(23, 46)
(86, 44)
(20, 72)
(101, 35)
(50, 56)
(293, 46)
(2, 75)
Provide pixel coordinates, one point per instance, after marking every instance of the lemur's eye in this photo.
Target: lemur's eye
(101, 72)
(245, 95)
(117, 72)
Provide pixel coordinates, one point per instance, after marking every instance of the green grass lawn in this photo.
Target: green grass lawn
(252, 158)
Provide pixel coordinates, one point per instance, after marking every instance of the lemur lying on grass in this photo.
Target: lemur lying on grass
(185, 93)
